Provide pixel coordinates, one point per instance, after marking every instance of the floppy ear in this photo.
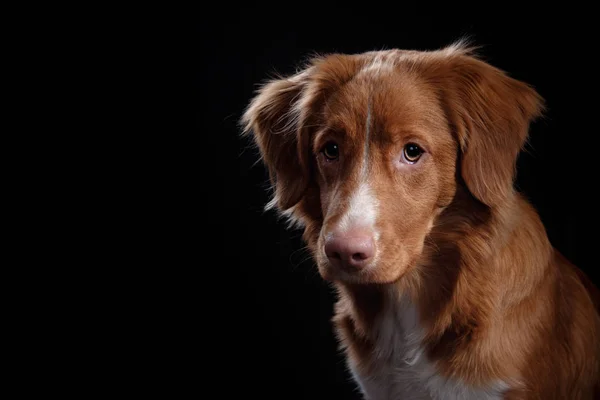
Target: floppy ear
(274, 116)
(282, 116)
(491, 113)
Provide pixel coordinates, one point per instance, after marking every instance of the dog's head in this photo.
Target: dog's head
(367, 150)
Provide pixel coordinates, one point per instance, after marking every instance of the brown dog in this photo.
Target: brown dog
(400, 167)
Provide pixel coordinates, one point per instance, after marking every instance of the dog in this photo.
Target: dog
(399, 166)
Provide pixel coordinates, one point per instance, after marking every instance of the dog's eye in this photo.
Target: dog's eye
(412, 152)
(331, 151)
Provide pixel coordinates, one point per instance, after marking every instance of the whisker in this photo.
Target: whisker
(304, 257)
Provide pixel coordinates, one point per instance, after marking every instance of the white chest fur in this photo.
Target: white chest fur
(403, 371)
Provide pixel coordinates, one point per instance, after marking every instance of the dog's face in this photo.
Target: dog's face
(367, 150)
(385, 161)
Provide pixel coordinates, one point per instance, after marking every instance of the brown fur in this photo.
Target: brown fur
(496, 300)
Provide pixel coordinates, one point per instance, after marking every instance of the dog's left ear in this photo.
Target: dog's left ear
(491, 113)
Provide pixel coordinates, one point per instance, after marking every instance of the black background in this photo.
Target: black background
(265, 304)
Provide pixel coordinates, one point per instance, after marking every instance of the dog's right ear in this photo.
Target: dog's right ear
(274, 118)
(282, 115)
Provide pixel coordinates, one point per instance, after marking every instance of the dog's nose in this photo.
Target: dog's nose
(352, 250)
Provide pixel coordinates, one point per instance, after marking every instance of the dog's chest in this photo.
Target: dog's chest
(400, 369)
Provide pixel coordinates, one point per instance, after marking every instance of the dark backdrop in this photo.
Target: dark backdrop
(268, 310)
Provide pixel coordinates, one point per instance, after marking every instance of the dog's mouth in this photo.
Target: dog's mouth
(345, 272)
(380, 271)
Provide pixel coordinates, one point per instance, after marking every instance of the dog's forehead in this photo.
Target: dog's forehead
(387, 100)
